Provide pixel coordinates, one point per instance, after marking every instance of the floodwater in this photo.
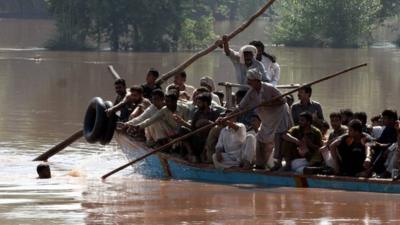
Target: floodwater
(43, 98)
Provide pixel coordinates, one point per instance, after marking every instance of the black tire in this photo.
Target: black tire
(110, 126)
(95, 120)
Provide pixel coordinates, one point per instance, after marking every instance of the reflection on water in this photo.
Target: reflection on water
(43, 98)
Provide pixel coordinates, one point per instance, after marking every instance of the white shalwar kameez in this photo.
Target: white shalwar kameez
(235, 146)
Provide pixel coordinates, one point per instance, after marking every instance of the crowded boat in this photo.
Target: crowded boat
(282, 135)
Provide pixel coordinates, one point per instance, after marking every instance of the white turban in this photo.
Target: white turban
(247, 48)
(207, 81)
(253, 74)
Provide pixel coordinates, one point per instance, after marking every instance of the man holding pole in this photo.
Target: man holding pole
(243, 60)
(275, 116)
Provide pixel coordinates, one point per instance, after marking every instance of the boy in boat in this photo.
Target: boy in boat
(243, 60)
(185, 91)
(305, 104)
(302, 145)
(352, 152)
(274, 115)
(150, 84)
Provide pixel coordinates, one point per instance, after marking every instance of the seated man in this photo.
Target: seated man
(150, 84)
(120, 90)
(302, 143)
(338, 128)
(166, 115)
(351, 151)
(203, 116)
(185, 91)
(387, 138)
(393, 158)
(208, 83)
(153, 132)
(234, 146)
(132, 100)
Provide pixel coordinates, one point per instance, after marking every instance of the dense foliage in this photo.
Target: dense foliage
(333, 23)
(142, 25)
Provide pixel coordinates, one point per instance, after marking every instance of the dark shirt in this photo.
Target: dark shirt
(210, 115)
(313, 156)
(147, 90)
(126, 109)
(352, 156)
(388, 136)
(312, 107)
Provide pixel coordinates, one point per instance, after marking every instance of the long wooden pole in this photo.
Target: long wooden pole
(75, 136)
(211, 48)
(229, 117)
(60, 146)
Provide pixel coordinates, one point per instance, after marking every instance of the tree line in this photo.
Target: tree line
(171, 25)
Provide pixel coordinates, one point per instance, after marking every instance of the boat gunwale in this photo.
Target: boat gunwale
(165, 156)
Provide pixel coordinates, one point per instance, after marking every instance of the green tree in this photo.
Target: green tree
(333, 23)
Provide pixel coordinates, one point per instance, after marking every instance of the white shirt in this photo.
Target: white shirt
(231, 141)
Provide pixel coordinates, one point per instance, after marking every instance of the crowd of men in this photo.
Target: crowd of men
(277, 135)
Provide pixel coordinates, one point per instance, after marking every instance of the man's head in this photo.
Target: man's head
(260, 47)
(180, 78)
(362, 116)
(304, 93)
(336, 120)
(157, 98)
(347, 115)
(207, 82)
(120, 87)
(136, 94)
(376, 120)
(355, 128)
(305, 119)
(247, 54)
(43, 171)
(254, 79)
(203, 100)
(152, 76)
(389, 117)
(171, 99)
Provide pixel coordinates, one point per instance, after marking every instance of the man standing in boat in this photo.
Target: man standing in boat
(243, 60)
(275, 115)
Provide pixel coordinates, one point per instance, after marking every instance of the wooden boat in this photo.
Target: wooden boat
(161, 165)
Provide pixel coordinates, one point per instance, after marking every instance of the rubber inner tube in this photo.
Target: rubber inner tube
(110, 126)
(95, 120)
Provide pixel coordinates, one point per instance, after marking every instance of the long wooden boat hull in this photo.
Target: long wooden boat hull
(164, 166)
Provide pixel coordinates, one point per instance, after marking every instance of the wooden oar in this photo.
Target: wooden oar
(113, 72)
(60, 146)
(211, 48)
(78, 134)
(228, 117)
